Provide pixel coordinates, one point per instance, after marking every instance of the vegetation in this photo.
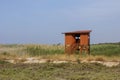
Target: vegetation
(99, 52)
(63, 71)
(106, 49)
(37, 50)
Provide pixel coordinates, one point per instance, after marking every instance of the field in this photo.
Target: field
(58, 71)
(63, 71)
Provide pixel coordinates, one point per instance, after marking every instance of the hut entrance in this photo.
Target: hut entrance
(77, 41)
(77, 38)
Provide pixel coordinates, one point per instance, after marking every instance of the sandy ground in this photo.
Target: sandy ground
(37, 60)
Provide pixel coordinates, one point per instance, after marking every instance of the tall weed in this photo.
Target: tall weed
(37, 50)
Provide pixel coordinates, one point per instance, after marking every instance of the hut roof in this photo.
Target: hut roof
(78, 32)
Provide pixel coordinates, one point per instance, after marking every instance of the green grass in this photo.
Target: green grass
(106, 49)
(63, 71)
(111, 49)
(37, 50)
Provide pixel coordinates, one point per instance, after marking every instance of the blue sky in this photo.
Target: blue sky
(43, 21)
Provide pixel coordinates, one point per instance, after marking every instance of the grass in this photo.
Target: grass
(63, 71)
(106, 49)
(98, 52)
(37, 50)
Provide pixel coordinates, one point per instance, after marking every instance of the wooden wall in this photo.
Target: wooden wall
(84, 39)
(69, 41)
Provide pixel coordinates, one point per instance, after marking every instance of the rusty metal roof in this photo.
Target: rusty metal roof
(78, 32)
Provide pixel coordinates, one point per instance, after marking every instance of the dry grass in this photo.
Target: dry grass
(19, 51)
(59, 57)
(103, 58)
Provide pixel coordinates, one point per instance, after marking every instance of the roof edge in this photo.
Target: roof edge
(80, 31)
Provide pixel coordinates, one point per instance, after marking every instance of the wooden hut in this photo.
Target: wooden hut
(77, 41)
